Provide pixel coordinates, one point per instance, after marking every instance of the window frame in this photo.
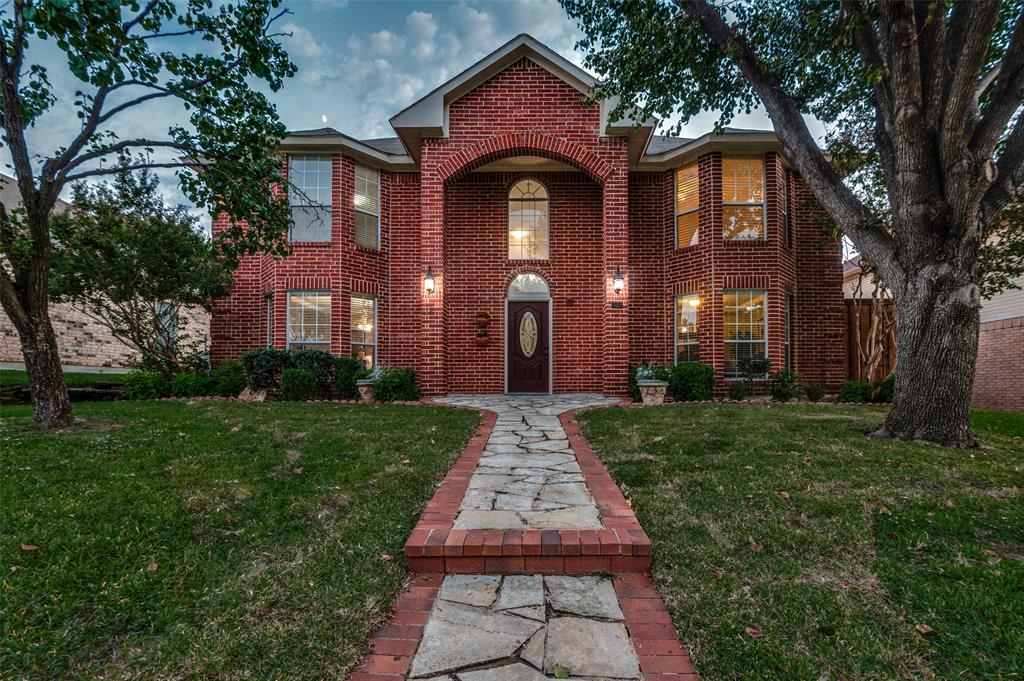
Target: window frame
(547, 219)
(376, 246)
(763, 203)
(326, 207)
(725, 342)
(676, 343)
(352, 343)
(288, 319)
(675, 225)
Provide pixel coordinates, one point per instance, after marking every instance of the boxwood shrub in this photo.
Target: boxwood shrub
(320, 365)
(145, 385)
(228, 378)
(397, 384)
(855, 391)
(348, 370)
(298, 384)
(785, 385)
(737, 390)
(690, 381)
(192, 384)
(263, 367)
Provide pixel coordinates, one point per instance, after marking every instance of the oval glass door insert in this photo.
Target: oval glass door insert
(528, 334)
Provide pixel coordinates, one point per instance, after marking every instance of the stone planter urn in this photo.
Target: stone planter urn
(652, 391)
(365, 388)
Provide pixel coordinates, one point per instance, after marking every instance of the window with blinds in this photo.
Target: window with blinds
(744, 328)
(687, 206)
(743, 198)
(309, 193)
(309, 320)
(364, 328)
(687, 340)
(367, 207)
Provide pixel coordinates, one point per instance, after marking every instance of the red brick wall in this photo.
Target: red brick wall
(1000, 369)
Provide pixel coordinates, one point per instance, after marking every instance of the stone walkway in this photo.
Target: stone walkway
(528, 476)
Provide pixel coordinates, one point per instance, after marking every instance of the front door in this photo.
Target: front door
(528, 359)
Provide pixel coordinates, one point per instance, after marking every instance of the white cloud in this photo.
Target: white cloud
(302, 43)
(386, 42)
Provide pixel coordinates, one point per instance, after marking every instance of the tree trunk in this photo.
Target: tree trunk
(50, 403)
(937, 340)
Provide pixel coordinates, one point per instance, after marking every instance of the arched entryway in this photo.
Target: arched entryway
(528, 358)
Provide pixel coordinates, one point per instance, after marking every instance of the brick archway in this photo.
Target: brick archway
(525, 143)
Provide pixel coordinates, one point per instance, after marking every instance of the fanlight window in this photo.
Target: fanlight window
(528, 221)
(528, 285)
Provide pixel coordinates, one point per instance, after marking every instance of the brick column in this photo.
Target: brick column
(431, 369)
(615, 205)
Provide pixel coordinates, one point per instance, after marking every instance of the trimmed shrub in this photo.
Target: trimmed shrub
(785, 385)
(655, 371)
(298, 384)
(318, 363)
(737, 390)
(690, 381)
(396, 385)
(145, 385)
(228, 378)
(884, 388)
(814, 391)
(855, 391)
(191, 384)
(348, 370)
(263, 367)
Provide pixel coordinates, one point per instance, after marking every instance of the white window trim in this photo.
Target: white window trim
(675, 200)
(675, 326)
(763, 202)
(288, 317)
(377, 215)
(376, 311)
(728, 342)
(329, 207)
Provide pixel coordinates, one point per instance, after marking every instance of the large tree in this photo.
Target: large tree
(927, 145)
(126, 55)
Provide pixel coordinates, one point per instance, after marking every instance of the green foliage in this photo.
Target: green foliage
(263, 367)
(690, 381)
(396, 385)
(658, 372)
(785, 385)
(192, 384)
(145, 385)
(348, 370)
(814, 391)
(855, 391)
(134, 264)
(737, 390)
(298, 384)
(229, 378)
(320, 365)
(885, 388)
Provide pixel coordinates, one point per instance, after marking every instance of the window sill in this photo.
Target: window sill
(310, 244)
(368, 249)
(687, 248)
(763, 242)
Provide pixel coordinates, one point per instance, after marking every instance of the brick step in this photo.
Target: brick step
(439, 550)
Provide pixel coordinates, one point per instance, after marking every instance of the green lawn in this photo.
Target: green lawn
(209, 539)
(788, 545)
(72, 378)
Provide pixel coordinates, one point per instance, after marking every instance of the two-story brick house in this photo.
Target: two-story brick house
(513, 239)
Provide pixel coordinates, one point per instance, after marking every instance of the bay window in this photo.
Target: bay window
(367, 207)
(687, 340)
(687, 206)
(744, 328)
(364, 328)
(309, 320)
(743, 198)
(309, 194)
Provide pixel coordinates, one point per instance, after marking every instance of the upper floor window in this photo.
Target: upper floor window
(367, 205)
(687, 340)
(309, 193)
(743, 198)
(687, 206)
(528, 221)
(309, 320)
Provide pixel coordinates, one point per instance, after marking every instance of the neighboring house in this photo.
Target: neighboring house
(84, 344)
(512, 239)
(999, 374)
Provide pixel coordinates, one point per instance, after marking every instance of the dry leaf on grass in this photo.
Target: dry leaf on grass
(29, 547)
(784, 496)
(754, 546)
(924, 628)
(152, 567)
(753, 632)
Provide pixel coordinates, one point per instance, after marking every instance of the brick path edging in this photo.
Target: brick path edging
(435, 547)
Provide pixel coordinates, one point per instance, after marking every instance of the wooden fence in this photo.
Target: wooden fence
(861, 324)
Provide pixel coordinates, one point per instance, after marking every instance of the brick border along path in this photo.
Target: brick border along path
(434, 548)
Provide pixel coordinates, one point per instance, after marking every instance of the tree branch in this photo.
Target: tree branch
(116, 147)
(848, 212)
(1010, 179)
(138, 166)
(1007, 93)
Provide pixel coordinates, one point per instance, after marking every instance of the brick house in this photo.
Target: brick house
(513, 239)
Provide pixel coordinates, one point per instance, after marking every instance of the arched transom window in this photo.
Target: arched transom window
(528, 221)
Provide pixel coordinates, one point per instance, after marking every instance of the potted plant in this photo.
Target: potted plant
(483, 319)
(652, 390)
(365, 385)
(482, 338)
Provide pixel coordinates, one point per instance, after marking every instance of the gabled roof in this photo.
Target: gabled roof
(428, 117)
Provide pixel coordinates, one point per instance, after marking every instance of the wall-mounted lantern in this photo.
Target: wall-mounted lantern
(428, 280)
(618, 283)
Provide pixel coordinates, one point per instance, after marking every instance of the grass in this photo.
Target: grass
(788, 545)
(72, 378)
(170, 540)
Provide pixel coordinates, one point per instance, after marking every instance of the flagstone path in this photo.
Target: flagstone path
(522, 505)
